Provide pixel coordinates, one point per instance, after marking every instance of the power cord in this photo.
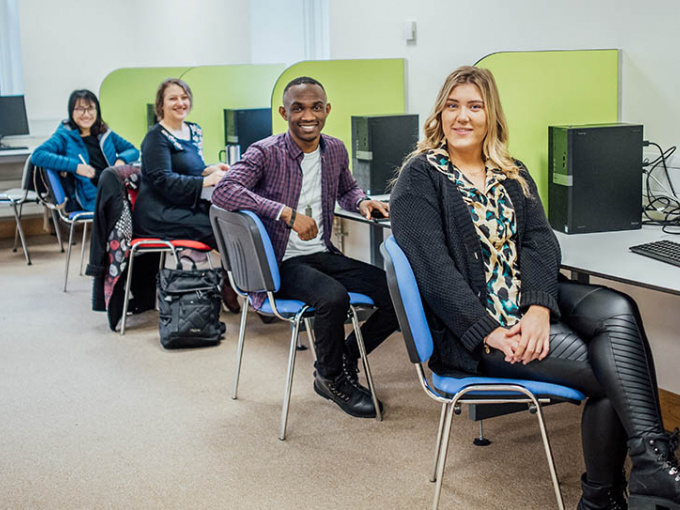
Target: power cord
(668, 205)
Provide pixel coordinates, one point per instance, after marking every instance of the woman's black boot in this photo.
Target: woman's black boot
(655, 478)
(602, 497)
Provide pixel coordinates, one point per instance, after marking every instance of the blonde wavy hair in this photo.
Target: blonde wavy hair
(494, 146)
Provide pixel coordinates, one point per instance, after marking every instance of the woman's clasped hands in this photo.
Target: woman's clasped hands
(527, 340)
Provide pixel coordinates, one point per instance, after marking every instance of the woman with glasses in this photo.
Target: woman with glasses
(469, 218)
(81, 147)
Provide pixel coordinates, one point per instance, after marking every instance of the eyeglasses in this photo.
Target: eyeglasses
(80, 109)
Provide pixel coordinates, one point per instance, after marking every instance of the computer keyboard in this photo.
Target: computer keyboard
(665, 251)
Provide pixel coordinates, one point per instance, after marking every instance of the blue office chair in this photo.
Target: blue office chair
(248, 257)
(451, 392)
(54, 200)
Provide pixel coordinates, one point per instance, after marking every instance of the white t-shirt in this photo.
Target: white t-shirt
(310, 199)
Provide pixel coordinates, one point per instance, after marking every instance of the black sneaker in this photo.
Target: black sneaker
(354, 402)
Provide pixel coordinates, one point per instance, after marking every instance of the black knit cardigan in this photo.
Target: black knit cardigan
(432, 224)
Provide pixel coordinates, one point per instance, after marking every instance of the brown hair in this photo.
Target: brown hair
(158, 105)
(494, 146)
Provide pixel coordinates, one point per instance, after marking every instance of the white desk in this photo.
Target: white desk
(14, 156)
(376, 230)
(606, 255)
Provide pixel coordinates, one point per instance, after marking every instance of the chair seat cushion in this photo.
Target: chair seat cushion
(82, 215)
(194, 245)
(177, 243)
(452, 385)
(290, 307)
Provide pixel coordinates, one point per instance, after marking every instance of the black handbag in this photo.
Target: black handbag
(189, 303)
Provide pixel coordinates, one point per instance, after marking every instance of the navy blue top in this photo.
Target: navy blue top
(169, 203)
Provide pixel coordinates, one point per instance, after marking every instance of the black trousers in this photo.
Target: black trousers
(599, 347)
(323, 280)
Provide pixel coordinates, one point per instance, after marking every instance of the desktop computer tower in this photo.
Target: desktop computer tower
(595, 177)
(379, 145)
(243, 127)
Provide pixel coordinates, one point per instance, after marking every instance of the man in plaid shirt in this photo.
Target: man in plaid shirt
(292, 181)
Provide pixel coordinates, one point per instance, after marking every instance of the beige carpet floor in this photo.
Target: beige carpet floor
(90, 419)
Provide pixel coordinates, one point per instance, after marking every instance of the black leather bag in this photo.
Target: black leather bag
(189, 304)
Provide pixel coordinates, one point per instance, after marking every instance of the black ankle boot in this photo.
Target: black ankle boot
(655, 478)
(339, 390)
(600, 497)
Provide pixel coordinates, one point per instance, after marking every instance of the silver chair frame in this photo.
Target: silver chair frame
(452, 405)
(58, 214)
(10, 197)
(295, 330)
(147, 246)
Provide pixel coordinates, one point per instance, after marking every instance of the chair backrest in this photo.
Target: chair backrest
(27, 175)
(246, 250)
(55, 186)
(408, 304)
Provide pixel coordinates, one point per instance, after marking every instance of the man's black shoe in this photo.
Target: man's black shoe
(350, 367)
(354, 402)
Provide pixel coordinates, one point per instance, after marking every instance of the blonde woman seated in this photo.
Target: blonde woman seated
(471, 223)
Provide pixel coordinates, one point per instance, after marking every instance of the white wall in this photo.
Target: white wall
(75, 43)
(452, 33)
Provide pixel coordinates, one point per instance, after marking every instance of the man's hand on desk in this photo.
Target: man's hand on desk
(305, 226)
(369, 207)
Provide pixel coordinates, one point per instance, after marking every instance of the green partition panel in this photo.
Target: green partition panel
(125, 93)
(544, 88)
(353, 87)
(235, 86)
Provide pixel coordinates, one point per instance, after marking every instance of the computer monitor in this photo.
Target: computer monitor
(151, 118)
(244, 127)
(13, 119)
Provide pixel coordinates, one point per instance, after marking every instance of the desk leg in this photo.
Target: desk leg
(580, 277)
(376, 239)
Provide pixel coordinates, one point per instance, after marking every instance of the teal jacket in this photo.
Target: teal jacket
(63, 150)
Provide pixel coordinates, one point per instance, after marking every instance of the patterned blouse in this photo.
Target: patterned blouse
(494, 219)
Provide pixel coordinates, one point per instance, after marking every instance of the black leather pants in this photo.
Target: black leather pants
(599, 347)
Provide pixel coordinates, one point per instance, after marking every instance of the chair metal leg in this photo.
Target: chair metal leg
(16, 230)
(82, 248)
(438, 444)
(239, 349)
(442, 454)
(295, 326)
(57, 230)
(126, 296)
(364, 359)
(68, 253)
(309, 326)
(549, 455)
(19, 232)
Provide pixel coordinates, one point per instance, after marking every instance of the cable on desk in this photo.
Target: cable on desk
(667, 205)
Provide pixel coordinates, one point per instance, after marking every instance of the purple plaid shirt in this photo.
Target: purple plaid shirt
(269, 177)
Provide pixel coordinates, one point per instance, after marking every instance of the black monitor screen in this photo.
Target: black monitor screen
(13, 119)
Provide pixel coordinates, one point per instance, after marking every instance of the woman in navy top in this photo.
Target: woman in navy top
(81, 147)
(174, 174)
